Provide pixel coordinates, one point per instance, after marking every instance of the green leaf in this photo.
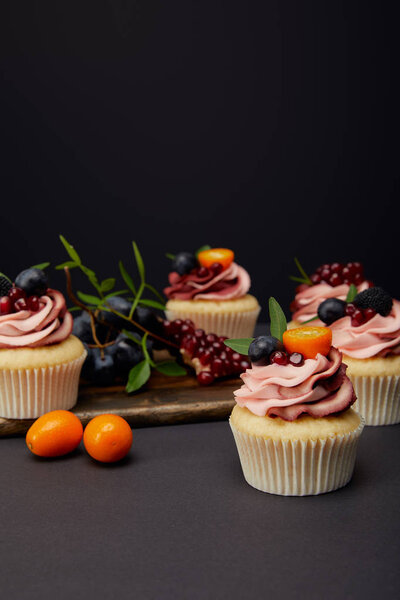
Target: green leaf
(41, 266)
(309, 320)
(71, 250)
(91, 275)
(107, 284)
(118, 293)
(302, 271)
(132, 337)
(277, 318)
(352, 293)
(88, 299)
(202, 249)
(170, 256)
(139, 262)
(240, 345)
(144, 348)
(300, 279)
(171, 368)
(5, 276)
(74, 308)
(126, 277)
(152, 303)
(69, 263)
(138, 376)
(155, 292)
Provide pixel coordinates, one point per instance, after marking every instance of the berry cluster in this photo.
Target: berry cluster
(337, 273)
(207, 353)
(186, 263)
(363, 308)
(25, 293)
(267, 349)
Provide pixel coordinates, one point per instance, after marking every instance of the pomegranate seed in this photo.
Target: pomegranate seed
(335, 280)
(227, 367)
(217, 367)
(336, 267)
(216, 268)
(346, 273)
(190, 344)
(218, 347)
(296, 359)
(205, 358)
(357, 318)
(236, 357)
(347, 281)
(20, 304)
(176, 326)
(244, 364)
(200, 352)
(279, 358)
(370, 283)
(5, 305)
(202, 272)
(223, 355)
(315, 278)
(16, 293)
(293, 306)
(189, 322)
(168, 327)
(205, 378)
(199, 333)
(325, 266)
(228, 351)
(369, 313)
(236, 366)
(325, 274)
(350, 308)
(33, 303)
(187, 329)
(319, 269)
(211, 338)
(358, 278)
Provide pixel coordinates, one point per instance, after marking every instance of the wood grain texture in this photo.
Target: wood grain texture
(165, 401)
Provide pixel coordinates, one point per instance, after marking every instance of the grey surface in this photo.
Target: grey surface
(177, 520)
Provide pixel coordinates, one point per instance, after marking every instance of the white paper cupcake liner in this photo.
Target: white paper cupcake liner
(29, 393)
(233, 324)
(297, 467)
(378, 398)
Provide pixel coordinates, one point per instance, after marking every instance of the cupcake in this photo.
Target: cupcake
(293, 424)
(40, 361)
(367, 331)
(211, 290)
(328, 281)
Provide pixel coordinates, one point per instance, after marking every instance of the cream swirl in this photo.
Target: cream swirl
(320, 387)
(51, 324)
(308, 300)
(379, 336)
(233, 282)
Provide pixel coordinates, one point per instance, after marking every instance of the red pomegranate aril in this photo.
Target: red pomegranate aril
(211, 338)
(358, 278)
(227, 367)
(205, 377)
(293, 306)
(319, 269)
(223, 355)
(296, 359)
(205, 358)
(336, 267)
(190, 344)
(279, 358)
(33, 303)
(200, 333)
(176, 338)
(189, 322)
(357, 318)
(347, 281)
(236, 366)
(350, 308)
(244, 364)
(315, 278)
(228, 351)
(218, 347)
(369, 313)
(222, 338)
(217, 367)
(325, 274)
(16, 293)
(168, 328)
(6, 305)
(236, 357)
(200, 351)
(202, 272)
(335, 280)
(21, 304)
(187, 329)
(346, 273)
(176, 326)
(216, 268)
(369, 283)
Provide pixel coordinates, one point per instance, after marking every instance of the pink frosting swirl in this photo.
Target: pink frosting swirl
(51, 324)
(307, 301)
(379, 336)
(320, 387)
(232, 283)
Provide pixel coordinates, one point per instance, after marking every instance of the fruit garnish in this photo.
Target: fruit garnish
(332, 274)
(331, 310)
(223, 256)
(184, 262)
(308, 341)
(261, 349)
(107, 438)
(32, 281)
(55, 433)
(5, 285)
(375, 298)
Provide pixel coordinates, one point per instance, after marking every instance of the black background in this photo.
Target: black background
(267, 127)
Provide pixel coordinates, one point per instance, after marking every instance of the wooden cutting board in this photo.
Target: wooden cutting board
(165, 401)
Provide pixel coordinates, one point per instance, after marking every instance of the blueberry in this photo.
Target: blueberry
(103, 371)
(376, 298)
(82, 328)
(126, 355)
(148, 319)
(184, 262)
(120, 304)
(331, 310)
(32, 281)
(262, 347)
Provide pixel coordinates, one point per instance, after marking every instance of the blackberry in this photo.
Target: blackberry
(5, 286)
(376, 298)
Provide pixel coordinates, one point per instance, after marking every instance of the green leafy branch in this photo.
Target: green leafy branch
(304, 277)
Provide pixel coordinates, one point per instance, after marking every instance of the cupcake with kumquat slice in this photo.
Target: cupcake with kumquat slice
(366, 329)
(211, 290)
(293, 424)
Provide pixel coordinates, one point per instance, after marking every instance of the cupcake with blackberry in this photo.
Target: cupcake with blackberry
(328, 281)
(40, 361)
(211, 290)
(366, 329)
(293, 424)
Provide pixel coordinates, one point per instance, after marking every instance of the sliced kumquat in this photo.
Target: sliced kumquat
(308, 341)
(224, 256)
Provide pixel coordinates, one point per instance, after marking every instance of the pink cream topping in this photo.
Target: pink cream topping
(308, 300)
(232, 283)
(51, 324)
(320, 387)
(379, 336)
